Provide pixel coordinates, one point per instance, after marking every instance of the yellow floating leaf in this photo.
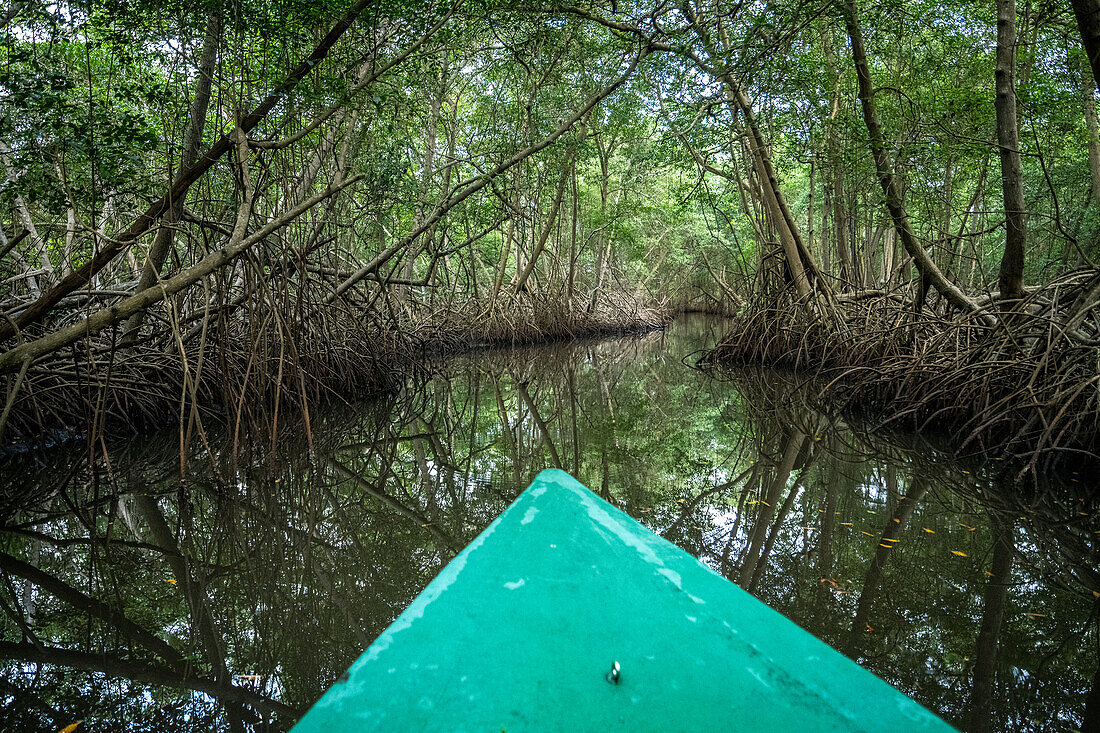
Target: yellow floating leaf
(966, 471)
(890, 539)
(989, 573)
(71, 727)
(765, 503)
(881, 544)
(870, 627)
(929, 531)
(172, 581)
(897, 521)
(1096, 594)
(845, 524)
(1036, 615)
(868, 534)
(959, 553)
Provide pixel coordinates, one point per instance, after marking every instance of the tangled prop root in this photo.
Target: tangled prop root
(1025, 385)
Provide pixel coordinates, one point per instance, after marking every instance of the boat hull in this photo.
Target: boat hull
(521, 630)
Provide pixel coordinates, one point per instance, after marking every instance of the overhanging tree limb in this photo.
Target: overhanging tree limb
(463, 191)
(39, 308)
(11, 359)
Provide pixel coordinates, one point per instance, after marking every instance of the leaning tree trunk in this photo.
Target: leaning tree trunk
(799, 260)
(544, 235)
(1011, 277)
(930, 273)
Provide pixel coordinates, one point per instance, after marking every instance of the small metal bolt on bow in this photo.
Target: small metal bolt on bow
(613, 675)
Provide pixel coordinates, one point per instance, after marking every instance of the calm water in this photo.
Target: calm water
(135, 600)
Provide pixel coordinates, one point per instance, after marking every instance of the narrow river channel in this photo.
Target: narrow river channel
(141, 594)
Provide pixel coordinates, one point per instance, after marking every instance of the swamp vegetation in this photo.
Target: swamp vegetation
(240, 209)
(226, 224)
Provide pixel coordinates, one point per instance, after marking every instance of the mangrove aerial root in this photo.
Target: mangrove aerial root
(1024, 387)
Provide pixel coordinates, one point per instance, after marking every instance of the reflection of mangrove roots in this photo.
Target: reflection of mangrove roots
(1026, 386)
(242, 360)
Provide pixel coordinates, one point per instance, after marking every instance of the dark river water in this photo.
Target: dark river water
(140, 592)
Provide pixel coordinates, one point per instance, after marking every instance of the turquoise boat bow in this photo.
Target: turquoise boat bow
(565, 614)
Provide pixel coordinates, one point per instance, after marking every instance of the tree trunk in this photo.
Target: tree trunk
(427, 170)
(1088, 23)
(1091, 720)
(853, 644)
(833, 182)
(840, 221)
(792, 447)
(1011, 277)
(555, 206)
(930, 273)
(1088, 97)
(810, 204)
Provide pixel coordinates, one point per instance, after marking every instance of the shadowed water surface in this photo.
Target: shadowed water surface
(139, 592)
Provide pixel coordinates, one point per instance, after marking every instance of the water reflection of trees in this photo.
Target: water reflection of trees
(231, 598)
(958, 588)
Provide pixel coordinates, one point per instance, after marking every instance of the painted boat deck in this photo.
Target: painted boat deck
(519, 631)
